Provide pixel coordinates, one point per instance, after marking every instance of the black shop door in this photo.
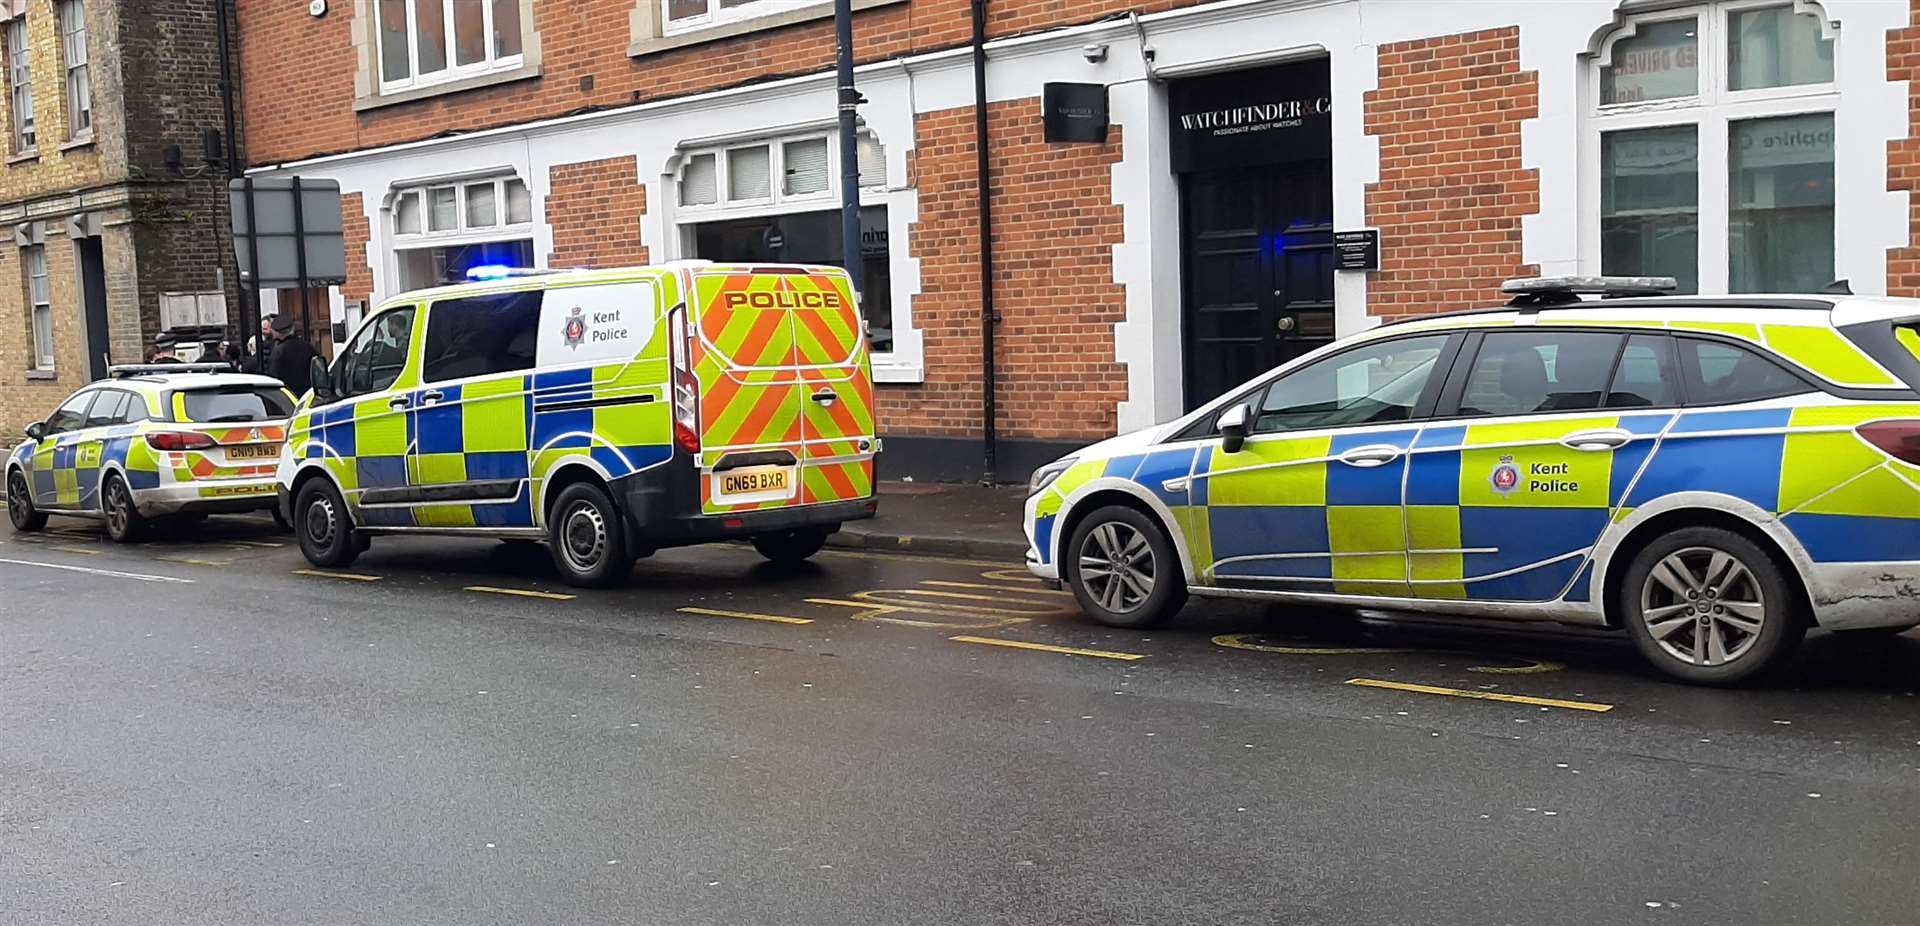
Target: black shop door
(1258, 271)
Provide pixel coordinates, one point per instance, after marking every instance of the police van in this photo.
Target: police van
(1711, 475)
(606, 413)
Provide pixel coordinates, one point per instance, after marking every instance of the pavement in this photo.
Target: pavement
(942, 518)
(203, 730)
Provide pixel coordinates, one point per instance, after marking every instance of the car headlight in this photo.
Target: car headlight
(1045, 475)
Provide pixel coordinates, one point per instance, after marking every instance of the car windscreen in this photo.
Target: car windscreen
(236, 403)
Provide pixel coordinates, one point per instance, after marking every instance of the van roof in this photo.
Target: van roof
(544, 279)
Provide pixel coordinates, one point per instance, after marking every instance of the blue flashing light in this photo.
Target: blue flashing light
(489, 272)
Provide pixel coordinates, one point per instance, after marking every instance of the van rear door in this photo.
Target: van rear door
(768, 341)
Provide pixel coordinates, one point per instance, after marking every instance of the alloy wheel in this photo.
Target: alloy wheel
(18, 504)
(1117, 567)
(1703, 606)
(118, 508)
(583, 537)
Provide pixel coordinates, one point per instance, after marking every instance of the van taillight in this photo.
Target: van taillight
(686, 386)
(179, 440)
(1900, 439)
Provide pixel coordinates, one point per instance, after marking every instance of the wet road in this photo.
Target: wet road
(204, 731)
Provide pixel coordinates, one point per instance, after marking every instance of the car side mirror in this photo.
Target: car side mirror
(1233, 429)
(36, 430)
(322, 381)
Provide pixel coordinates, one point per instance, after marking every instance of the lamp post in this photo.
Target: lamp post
(849, 100)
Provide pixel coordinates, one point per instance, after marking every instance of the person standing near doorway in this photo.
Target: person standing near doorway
(289, 358)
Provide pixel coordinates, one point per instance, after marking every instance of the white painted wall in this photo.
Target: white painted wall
(1554, 37)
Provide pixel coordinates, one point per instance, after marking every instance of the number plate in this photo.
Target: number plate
(253, 452)
(756, 480)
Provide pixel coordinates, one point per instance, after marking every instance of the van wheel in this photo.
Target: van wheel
(20, 508)
(792, 546)
(124, 523)
(1708, 606)
(588, 542)
(324, 529)
(1123, 569)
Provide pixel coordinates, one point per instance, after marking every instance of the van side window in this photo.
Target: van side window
(482, 335)
(377, 355)
(1720, 373)
(1524, 372)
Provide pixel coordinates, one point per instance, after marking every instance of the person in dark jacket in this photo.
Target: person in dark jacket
(292, 357)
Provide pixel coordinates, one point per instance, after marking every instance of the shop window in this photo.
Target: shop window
(20, 86)
(1713, 140)
(775, 172)
(427, 42)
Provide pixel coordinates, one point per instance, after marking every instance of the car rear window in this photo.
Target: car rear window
(236, 403)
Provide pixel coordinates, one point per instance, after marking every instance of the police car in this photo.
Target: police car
(606, 413)
(156, 441)
(1713, 475)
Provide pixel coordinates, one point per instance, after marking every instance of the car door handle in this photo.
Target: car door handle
(397, 402)
(432, 397)
(826, 397)
(1371, 455)
(1597, 439)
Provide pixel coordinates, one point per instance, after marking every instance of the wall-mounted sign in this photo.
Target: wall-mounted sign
(1074, 112)
(1356, 250)
(1270, 115)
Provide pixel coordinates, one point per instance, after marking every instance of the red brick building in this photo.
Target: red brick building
(1185, 244)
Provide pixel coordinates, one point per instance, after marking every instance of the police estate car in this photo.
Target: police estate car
(1712, 474)
(156, 441)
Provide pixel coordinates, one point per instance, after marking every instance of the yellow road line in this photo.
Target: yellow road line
(1593, 706)
(747, 615)
(1049, 648)
(357, 577)
(262, 544)
(997, 588)
(198, 562)
(916, 557)
(521, 592)
(80, 550)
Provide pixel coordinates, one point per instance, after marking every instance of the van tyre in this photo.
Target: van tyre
(794, 546)
(124, 522)
(1123, 570)
(588, 539)
(20, 510)
(1708, 606)
(324, 527)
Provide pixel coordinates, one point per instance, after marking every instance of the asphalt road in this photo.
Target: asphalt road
(196, 731)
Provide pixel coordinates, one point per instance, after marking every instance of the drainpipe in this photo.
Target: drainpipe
(988, 317)
(249, 308)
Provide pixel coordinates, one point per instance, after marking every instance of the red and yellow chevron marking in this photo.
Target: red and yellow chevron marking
(203, 468)
(266, 434)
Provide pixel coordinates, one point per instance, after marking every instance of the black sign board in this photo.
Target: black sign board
(1356, 250)
(1271, 115)
(1075, 112)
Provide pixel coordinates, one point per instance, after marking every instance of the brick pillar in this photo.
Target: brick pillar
(1903, 154)
(595, 209)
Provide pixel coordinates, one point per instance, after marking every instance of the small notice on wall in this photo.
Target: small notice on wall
(1074, 112)
(1356, 250)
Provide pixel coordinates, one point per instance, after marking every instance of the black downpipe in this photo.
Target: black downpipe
(989, 434)
(249, 307)
(849, 103)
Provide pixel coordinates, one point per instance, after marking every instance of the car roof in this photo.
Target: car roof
(149, 383)
(1789, 308)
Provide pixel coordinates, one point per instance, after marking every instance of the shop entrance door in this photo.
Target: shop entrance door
(1258, 271)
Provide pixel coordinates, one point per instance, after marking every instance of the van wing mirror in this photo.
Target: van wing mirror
(322, 380)
(36, 430)
(1233, 429)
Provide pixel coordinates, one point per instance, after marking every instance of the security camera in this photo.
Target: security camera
(1093, 53)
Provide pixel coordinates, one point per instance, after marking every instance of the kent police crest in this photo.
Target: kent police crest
(1506, 477)
(576, 330)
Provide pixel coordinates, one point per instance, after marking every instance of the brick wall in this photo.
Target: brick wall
(1451, 191)
(295, 112)
(1054, 228)
(595, 209)
(358, 232)
(29, 397)
(1903, 154)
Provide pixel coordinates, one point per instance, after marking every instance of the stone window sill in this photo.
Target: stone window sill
(83, 141)
(42, 375)
(653, 45)
(31, 154)
(476, 82)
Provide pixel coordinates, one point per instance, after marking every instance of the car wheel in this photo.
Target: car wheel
(1123, 569)
(20, 508)
(323, 526)
(792, 546)
(1708, 606)
(586, 538)
(124, 523)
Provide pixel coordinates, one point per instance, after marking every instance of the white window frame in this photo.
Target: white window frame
(19, 63)
(1711, 112)
(72, 21)
(493, 63)
(718, 15)
(778, 201)
(462, 232)
(39, 311)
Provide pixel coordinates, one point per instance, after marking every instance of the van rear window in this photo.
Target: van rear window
(236, 403)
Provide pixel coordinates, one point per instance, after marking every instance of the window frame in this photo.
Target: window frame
(79, 93)
(454, 71)
(1711, 111)
(30, 255)
(718, 14)
(777, 201)
(1470, 355)
(448, 305)
(462, 231)
(25, 129)
(1206, 425)
(341, 371)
